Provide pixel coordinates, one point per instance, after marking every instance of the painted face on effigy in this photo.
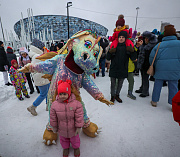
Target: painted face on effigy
(86, 51)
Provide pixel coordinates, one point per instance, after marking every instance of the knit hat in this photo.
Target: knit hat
(64, 87)
(122, 33)
(37, 43)
(23, 50)
(13, 61)
(1, 43)
(9, 50)
(169, 30)
(120, 21)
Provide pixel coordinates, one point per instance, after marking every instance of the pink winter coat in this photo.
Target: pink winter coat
(66, 117)
(24, 61)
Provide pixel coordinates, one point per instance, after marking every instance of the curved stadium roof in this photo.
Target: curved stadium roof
(59, 25)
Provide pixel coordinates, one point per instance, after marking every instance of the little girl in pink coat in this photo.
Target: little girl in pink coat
(66, 118)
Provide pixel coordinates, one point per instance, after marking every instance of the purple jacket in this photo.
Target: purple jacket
(66, 117)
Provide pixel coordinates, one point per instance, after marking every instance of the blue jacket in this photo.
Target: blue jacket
(167, 62)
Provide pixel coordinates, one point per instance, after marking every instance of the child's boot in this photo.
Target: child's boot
(65, 152)
(21, 98)
(32, 110)
(130, 95)
(76, 152)
(27, 96)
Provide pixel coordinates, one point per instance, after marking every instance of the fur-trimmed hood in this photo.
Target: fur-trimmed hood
(152, 41)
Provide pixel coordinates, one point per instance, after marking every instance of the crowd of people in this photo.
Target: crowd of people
(124, 54)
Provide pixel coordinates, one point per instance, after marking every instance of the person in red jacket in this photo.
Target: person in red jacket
(66, 118)
(120, 26)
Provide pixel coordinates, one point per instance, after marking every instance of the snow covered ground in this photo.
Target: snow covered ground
(131, 129)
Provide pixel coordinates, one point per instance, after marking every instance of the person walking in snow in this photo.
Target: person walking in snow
(66, 118)
(4, 64)
(167, 65)
(149, 41)
(37, 48)
(18, 80)
(119, 64)
(23, 60)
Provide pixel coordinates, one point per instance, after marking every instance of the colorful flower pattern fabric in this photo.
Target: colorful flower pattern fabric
(18, 80)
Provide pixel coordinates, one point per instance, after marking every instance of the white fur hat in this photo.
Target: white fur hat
(23, 50)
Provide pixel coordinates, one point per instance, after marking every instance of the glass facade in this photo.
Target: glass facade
(59, 25)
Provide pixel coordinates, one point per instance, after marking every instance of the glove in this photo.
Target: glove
(129, 49)
(54, 130)
(107, 102)
(78, 130)
(112, 50)
(25, 69)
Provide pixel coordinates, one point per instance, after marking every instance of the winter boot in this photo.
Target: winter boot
(21, 99)
(8, 84)
(143, 95)
(138, 91)
(65, 152)
(31, 92)
(32, 110)
(112, 98)
(154, 104)
(76, 152)
(130, 95)
(27, 96)
(118, 99)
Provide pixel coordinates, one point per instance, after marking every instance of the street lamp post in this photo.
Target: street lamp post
(68, 5)
(136, 17)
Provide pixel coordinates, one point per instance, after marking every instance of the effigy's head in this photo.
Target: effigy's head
(87, 51)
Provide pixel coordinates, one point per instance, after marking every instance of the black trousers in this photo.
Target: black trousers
(145, 82)
(29, 82)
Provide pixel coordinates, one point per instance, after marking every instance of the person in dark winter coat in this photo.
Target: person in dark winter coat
(59, 46)
(4, 64)
(10, 55)
(149, 41)
(52, 48)
(167, 65)
(119, 65)
(103, 43)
